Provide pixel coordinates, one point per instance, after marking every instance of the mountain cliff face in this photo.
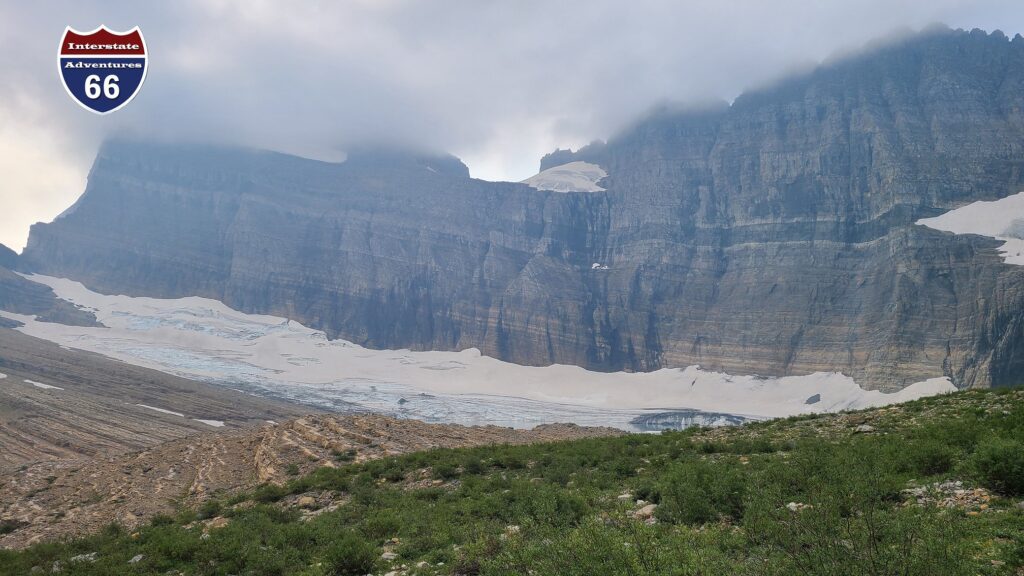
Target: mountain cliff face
(8, 257)
(773, 236)
(23, 296)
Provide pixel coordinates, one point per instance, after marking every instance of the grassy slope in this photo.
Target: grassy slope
(554, 509)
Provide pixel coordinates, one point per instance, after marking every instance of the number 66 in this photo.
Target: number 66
(110, 87)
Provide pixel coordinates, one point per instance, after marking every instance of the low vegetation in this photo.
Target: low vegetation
(933, 487)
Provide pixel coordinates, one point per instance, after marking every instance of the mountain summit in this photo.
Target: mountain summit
(774, 236)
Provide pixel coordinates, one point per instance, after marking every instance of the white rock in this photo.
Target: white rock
(797, 506)
(646, 511)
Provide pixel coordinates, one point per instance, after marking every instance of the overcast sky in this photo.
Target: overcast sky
(496, 82)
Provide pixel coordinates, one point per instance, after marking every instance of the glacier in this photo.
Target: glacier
(205, 340)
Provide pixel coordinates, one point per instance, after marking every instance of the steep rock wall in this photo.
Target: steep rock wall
(772, 236)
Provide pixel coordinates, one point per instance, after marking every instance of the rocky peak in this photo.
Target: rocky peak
(390, 159)
(8, 258)
(589, 153)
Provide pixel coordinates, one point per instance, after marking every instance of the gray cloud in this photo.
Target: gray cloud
(497, 83)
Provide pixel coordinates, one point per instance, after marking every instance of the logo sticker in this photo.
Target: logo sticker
(102, 70)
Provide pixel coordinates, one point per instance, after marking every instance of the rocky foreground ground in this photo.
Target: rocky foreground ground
(60, 404)
(86, 441)
(61, 498)
(928, 488)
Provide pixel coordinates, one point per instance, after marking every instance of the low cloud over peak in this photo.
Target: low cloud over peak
(499, 84)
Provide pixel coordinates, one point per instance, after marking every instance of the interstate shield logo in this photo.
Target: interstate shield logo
(102, 70)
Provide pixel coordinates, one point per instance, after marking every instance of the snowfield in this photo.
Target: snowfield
(571, 177)
(1001, 219)
(214, 423)
(266, 355)
(161, 410)
(41, 385)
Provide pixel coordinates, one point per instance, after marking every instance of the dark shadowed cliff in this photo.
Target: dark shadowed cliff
(772, 236)
(23, 296)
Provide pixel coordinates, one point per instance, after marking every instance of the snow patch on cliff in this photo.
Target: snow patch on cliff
(1001, 219)
(204, 339)
(571, 177)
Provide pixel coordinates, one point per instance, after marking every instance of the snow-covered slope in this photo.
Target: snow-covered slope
(571, 177)
(204, 339)
(1001, 219)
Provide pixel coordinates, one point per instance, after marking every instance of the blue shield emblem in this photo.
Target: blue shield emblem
(102, 70)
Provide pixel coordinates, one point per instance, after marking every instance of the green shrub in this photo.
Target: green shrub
(209, 509)
(560, 472)
(509, 460)
(269, 493)
(847, 519)
(648, 491)
(393, 472)
(350, 555)
(710, 448)
(445, 471)
(473, 465)
(931, 458)
(162, 520)
(8, 526)
(698, 492)
(382, 525)
(828, 540)
(547, 504)
(999, 465)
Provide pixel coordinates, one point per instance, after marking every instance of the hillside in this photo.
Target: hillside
(931, 487)
(59, 404)
(71, 497)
